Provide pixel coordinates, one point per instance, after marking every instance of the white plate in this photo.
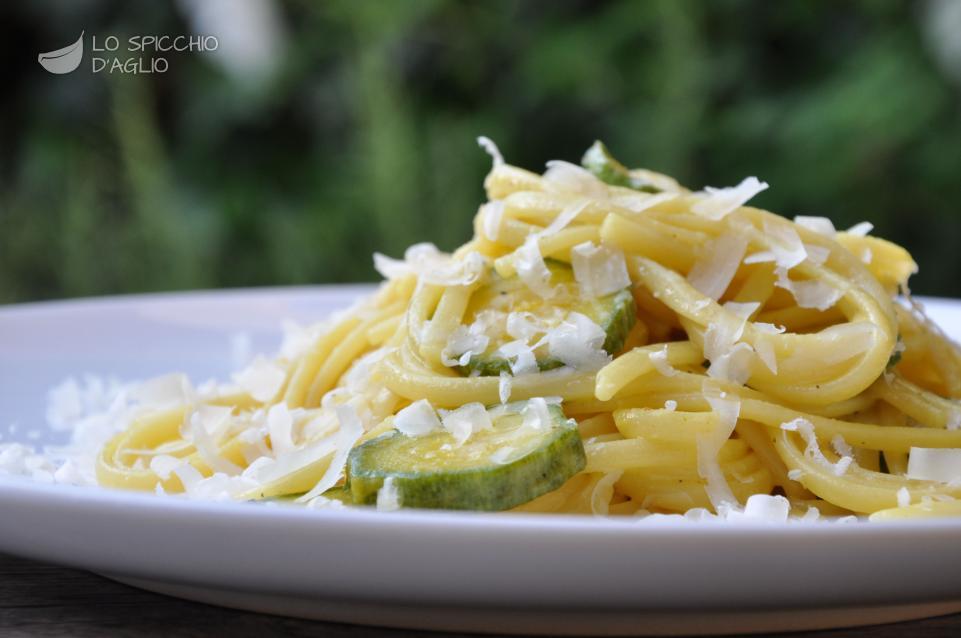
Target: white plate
(430, 570)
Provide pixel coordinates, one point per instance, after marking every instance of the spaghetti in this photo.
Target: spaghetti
(766, 358)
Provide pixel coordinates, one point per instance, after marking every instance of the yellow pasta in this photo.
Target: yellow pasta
(761, 360)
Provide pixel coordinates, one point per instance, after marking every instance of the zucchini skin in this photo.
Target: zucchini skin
(615, 313)
(488, 488)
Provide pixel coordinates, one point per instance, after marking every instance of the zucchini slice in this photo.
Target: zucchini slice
(599, 161)
(615, 313)
(495, 469)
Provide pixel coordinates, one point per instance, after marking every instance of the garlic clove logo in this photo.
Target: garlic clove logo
(63, 60)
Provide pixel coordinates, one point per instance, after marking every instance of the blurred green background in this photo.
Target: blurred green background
(322, 131)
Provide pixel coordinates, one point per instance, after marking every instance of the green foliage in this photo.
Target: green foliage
(363, 138)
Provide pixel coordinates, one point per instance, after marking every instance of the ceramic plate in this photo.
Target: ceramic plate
(430, 570)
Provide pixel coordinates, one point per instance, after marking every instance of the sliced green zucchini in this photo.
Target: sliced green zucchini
(599, 161)
(615, 314)
(495, 469)
(340, 493)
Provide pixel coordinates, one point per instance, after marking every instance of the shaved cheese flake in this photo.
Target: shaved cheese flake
(670, 405)
(388, 496)
(504, 387)
(417, 419)
(768, 328)
(743, 310)
(164, 391)
(503, 455)
(785, 243)
(661, 364)
(432, 266)
(867, 256)
(712, 274)
(841, 447)
(639, 202)
(935, 464)
(812, 293)
(765, 352)
(767, 509)
(189, 476)
(262, 379)
(492, 214)
(847, 340)
(565, 217)
(491, 149)
(813, 450)
(463, 343)
(280, 423)
(817, 254)
(525, 325)
(603, 492)
(466, 420)
(208, 449)
(761, 257)
(720, 202)
(734, 365)
(708, 468)
(954, 417)
(163, 465)
(861, 229)
(708, 446)
(351, 429)
(819, 225)
(904, 497)
(520, 356)
(571, 178)
(536, 415)
(578, 342)
(531, 268)
(599, 270)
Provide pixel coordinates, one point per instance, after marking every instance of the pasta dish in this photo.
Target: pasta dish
(608, 342)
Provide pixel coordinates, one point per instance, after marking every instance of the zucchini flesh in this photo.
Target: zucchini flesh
(615, 313)
(496, 469)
